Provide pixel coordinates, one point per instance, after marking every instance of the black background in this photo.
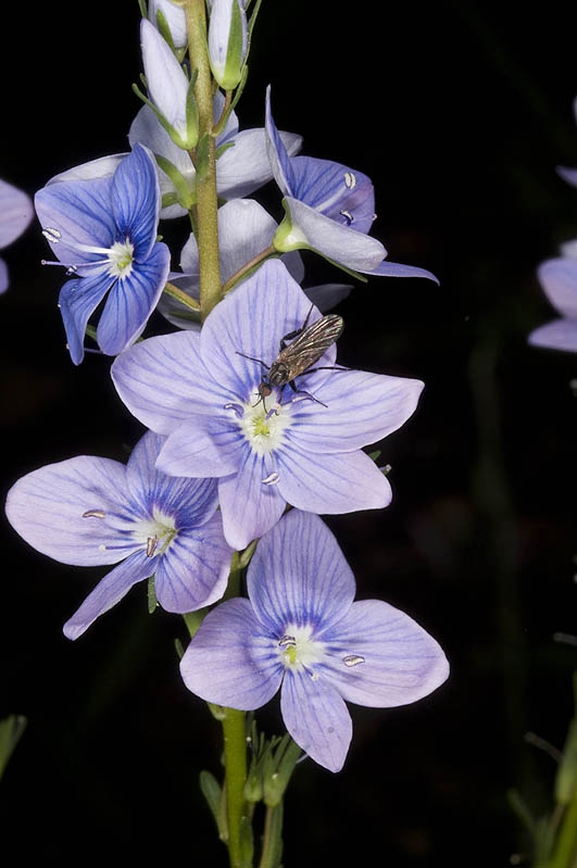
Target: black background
(460, 113)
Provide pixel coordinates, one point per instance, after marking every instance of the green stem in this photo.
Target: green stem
(207, 199)
(234, 732)
(181, 296)
(272, 837)
(247, 268)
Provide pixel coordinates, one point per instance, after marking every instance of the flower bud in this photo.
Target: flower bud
(170, 91)
(227, 41)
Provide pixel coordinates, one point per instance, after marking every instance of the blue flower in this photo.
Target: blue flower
(329, 208)
(300, 447)
(103, 229)
(300, 631)
(91, 511)
(16, 212)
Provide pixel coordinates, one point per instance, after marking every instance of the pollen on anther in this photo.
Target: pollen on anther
(353, 659)
(94, 513)
(350, 180)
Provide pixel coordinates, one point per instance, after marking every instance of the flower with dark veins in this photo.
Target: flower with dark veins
(301, 632)
(93, 511)
(303, 445)
(103, 231)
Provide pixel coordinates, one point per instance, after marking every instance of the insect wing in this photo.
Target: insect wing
(310, 344)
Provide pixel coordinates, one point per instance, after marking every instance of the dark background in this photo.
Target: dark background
(460, 113)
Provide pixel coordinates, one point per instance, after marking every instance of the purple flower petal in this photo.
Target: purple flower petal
(396, 269)
(376, 405)
(248, 486)
(561, 334)
(336, 242)
(80, 214)
(108, 592)
(317, 718)
(228, 663)
(391, 659)
(131, 301)
(312, 577)
(331, 484)
(77, 301)
(155, 378)
(47, 507)
(135, 199)
(194, 571)
(558, 277)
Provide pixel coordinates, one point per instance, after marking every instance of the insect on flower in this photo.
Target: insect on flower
(299, 350)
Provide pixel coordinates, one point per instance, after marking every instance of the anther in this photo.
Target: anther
(353, 659)
(151, 545)
(94, 513)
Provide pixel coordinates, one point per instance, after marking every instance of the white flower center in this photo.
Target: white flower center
(156, 533)
(120, 258)
(298, 649)
(263, 422)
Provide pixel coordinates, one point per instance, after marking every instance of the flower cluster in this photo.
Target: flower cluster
(558, 278)
(253, 430)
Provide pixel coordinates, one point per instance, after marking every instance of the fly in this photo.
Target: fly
(298, 351)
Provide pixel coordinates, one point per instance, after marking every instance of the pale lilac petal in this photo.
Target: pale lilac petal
(194, 571)
(360, 408)
(244, 168)
(108, 592)
(336, 242)
(561, 334)
(558, 278)
(195, 449)
(312, 575)
(228, 662)
(47, 506)
(396, 269)
(384, 657)
(317, 718)
(250, 506)
(102, 167)
(16, 212)
(331, 484)
(155, 378)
